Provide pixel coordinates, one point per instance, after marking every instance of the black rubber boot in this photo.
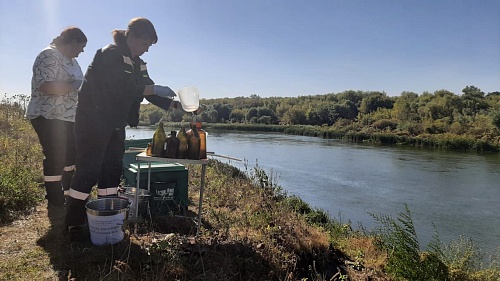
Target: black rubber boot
(76, 214)
(76, 220)
(55, 193)
(66, 179)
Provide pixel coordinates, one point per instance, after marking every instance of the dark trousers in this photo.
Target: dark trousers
(99, 160)
(58, 146)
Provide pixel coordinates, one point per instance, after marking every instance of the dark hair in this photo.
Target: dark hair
(68, 35)
(142, 28)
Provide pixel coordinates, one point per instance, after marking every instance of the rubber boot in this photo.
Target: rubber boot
(55, 193)
(76, 214)
(66, 179)
(76, 218)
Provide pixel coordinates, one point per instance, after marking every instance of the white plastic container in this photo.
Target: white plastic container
(189, 98)
(105, 217)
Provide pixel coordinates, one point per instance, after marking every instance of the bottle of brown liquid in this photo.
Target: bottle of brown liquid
(172, 145)
(158, 140)
(183, 143)
(203, 141)
(193, 143)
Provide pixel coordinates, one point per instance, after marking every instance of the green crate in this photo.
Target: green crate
(168, 185)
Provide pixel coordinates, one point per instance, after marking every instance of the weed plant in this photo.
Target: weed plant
(458, 260)
(21, 158)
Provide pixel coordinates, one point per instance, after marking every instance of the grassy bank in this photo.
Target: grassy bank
(251, 230)
(21, 158)
(367, 135)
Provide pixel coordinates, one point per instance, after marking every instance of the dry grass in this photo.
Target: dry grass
(246, 235)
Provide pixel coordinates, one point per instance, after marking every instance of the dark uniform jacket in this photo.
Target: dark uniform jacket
(113, 89)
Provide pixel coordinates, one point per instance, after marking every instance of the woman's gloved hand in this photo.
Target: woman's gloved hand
(163, 91)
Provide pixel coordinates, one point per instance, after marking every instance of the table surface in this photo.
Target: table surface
(143, 157)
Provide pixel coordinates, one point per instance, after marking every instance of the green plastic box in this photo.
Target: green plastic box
(168, 186)
(169, 181)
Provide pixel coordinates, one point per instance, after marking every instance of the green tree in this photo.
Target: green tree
(223, 110)
(237, 116)
(320, 115)
(212, 115)
(495, 117)
(176, 115)
(374, 101)
(294, 116)
(252, 113)
(351, 110)
(354, 96)
(155, 117)
(474, 100)
(405, 107)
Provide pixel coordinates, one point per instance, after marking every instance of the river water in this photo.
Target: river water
(458, 192)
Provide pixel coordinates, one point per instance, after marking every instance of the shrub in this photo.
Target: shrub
(399, 238)
(19, 192)
(21, 158)
(383, 124)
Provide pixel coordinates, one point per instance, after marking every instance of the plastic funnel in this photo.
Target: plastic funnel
(189, 98)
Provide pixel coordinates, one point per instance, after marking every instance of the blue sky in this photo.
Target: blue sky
(276, 47)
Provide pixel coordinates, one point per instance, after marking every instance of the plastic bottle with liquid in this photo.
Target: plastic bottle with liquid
(183, 143)
(172, 145)
(203, 140)
(159, 137)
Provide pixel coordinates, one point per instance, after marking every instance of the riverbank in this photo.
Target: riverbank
(363, 135)
(250, 232)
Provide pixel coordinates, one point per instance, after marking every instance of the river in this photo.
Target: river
(458, 192)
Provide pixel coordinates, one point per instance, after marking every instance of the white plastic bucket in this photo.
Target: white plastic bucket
(106, 217)
(189, 98)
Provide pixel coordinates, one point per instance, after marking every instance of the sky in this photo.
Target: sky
(271, 48)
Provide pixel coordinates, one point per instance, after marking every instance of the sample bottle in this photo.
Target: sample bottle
(203, 141)
(172, 145)
(159, 137)
(193, 143)
(183, 143)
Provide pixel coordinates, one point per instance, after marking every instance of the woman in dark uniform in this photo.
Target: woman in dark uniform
(115, 84)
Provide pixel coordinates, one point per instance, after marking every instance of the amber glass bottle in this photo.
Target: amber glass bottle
(203, 141)
(193, 143)
(172, 145)
(183, 143)
(159, 137)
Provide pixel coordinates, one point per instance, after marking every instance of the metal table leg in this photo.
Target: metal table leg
(202, 186)
(137, 185)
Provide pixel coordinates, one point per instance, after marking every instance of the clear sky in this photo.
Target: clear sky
(230, 48)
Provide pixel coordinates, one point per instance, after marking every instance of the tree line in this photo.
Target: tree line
(472, 113)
